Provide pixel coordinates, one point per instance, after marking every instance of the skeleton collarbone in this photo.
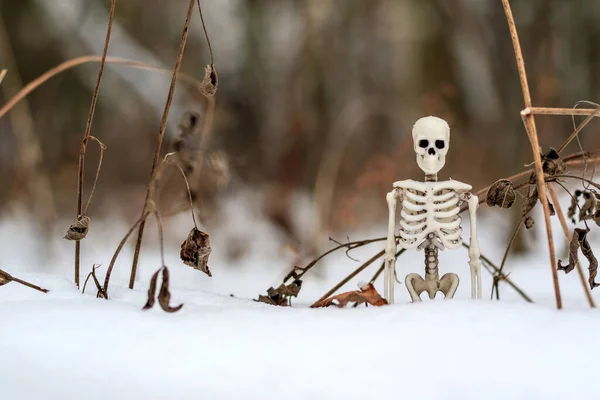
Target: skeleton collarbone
(430, 213)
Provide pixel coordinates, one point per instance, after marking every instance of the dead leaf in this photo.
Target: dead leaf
(164, 296)
(501, 194)
(152, 291)
(78, 230)
(579, 240)
(195, 251)
(281, 295)
(531, 201)
(366, 294)
(573, 207)
(5, 278)
(552, 163)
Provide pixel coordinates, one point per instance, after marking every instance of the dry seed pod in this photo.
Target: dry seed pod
(529, 222)
(164, 296)
(195, 251)
(501, 194)
(79, 229)
(210, 83)
(573, 207)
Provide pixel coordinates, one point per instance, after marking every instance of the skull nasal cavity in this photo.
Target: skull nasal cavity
(431, 151)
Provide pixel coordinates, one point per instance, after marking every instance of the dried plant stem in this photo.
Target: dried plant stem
(116, 254)
(495, 286)
(30, 285)
(159, 141)
(488, 262)
(88, 129)
(65, 66)
(565, 228)
(529, 121)
(102, 148)
(2, 74)
(579, 129)
(212, 59)
(561, 111)
(187, 186)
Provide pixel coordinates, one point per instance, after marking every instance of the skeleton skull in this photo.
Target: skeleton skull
(431, 137)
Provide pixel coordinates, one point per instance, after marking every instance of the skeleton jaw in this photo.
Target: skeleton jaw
(431, 164)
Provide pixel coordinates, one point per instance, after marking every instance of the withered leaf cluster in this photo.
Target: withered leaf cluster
(501, 194)
(79, 229)
(579, 240)
(164, 296)
(281, 295)
(589, 210)
(195, 250)
(552, 164)
(366, 294)
(531, 201)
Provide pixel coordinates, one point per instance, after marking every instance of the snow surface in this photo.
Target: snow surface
(223, 345)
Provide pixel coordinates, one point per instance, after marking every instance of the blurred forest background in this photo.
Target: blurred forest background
(315, 97)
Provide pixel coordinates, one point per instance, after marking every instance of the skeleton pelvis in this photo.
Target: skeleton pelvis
(416, 285)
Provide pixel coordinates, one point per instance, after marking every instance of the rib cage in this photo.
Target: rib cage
(430, 209)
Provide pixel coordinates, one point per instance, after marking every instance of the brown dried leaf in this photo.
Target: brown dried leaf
(277, 301)
(578, 240)
(195, 251)
(589, 204)
(501, 194)
(152, 291)
(210, 83)
(5, 278)
(164, 296)
(286, 290)
(531, 201)
(79, 229)
(366, 294)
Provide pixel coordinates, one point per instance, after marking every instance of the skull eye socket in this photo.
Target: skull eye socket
(439, 144)
(423, 143)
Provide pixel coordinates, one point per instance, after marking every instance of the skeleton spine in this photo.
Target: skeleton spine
(431, 260)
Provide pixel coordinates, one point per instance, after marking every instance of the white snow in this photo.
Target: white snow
(64, 345)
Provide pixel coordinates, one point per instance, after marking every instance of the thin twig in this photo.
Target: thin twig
(561, 111)
(159, 140)
(88, 129)
(535, 147)
(504, 258)
(2, 74)
(102, 148)
(187, 185)
(578, 130)
(116, 254)
(565, 228)
(505, 278)
(75, 62)
(212, 60)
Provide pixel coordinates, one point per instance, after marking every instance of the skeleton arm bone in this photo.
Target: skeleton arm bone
(392, 199)
(474, 254)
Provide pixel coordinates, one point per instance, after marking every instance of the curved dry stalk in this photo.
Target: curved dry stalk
(88, 129)
(102, 148)
(530, 127)
(212, 59)
(2, 74)
(565, 228)
(187, 185)
(159, 141)
(118, 251)
(495, 286)
(75, 62)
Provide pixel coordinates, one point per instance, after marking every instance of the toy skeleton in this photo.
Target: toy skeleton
(429, 217)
